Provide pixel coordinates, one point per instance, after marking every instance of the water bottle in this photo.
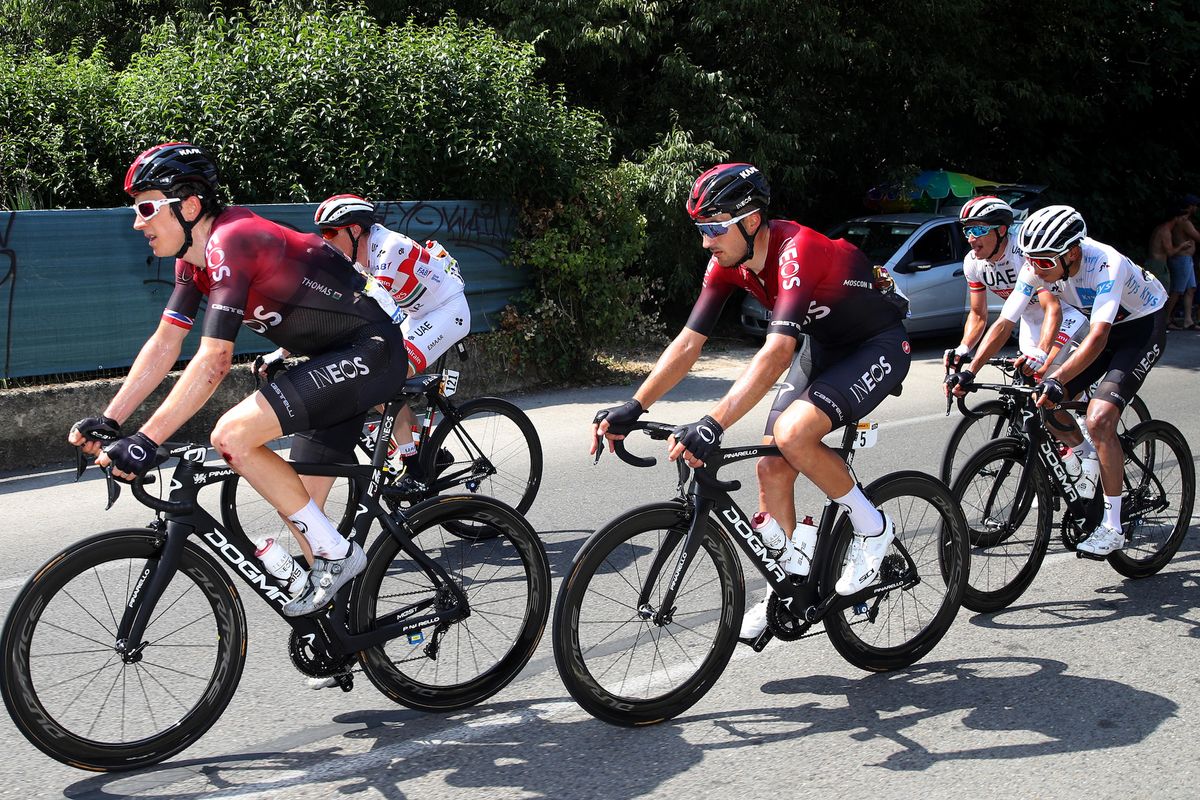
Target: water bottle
(770, 532)
(1071, 462)
(277, 561)
(1089, 479)
(804, 547)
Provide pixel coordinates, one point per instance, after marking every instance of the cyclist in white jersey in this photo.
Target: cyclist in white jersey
(1126, 306)
(1047, 329)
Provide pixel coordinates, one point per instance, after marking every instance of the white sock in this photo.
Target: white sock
(1112, 512)
(322, 536)
(864, 517)
(407, 450)
(1085, 449)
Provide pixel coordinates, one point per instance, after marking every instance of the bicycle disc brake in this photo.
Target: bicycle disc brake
(782, 623)
(313, 662)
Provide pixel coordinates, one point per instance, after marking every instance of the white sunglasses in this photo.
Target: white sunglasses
(147, 209)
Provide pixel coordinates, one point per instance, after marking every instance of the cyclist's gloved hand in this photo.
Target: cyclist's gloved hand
(1050, 390)
(98, 428)
(961, 380)
(620, 417)
(266, 366)
(699, 438)
(954, 358)
(1034, 360)
(134, 455)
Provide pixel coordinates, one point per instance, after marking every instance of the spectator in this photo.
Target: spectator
(1180, 263)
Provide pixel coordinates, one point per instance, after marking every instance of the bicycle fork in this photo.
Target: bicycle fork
(148, 590)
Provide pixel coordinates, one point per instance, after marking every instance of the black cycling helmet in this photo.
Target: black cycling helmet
(730, 189)
(177, 169)
(734, 189)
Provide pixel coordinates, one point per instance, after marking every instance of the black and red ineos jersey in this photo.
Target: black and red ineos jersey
(814, 285)
(291, 287)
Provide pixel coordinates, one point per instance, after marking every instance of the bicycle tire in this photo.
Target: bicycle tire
(502, 629)
(932, 530)
(598, 629)
(1004, 560)
(75, 602)
(1154, 536)
(491, 435)
(971, 433)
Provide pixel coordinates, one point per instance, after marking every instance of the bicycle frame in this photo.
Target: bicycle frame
(706, 495)
(180, 517)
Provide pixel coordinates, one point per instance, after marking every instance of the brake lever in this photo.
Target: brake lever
(114, 488)
(80, 463)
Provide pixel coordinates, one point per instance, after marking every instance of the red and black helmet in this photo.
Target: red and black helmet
(729, 189)
(165, 166)
(987, 209)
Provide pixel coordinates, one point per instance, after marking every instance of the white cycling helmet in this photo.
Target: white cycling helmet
(987, 209)
(345, 209)
(1053, 229)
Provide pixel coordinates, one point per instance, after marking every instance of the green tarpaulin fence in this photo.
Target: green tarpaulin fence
(80, 290)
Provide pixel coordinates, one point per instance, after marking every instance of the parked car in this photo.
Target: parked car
(923, 252)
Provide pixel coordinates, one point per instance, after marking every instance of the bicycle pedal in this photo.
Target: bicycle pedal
(1090, 556)
(759, 642)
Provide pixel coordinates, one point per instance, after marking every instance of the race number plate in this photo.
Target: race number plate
(866, 435)
(449, 382)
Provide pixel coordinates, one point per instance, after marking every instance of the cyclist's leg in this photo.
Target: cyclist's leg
(776, 477)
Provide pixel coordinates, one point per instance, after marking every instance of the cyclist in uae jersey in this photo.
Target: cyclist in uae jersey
(857, 352)
(427, 290)
(1047, 328)
(1126, 307)
(290, 287)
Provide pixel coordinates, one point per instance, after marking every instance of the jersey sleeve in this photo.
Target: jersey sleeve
(971, 273)
(713, 294)
(1028, 284)
(1108, 295)
(185, 298)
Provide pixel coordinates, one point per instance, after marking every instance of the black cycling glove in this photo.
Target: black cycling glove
(135, 454)
(620, 417)
(1051, 389)
(699, 438)
(962, 379)
(98, 429)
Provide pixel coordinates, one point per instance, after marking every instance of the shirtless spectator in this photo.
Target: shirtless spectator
(1180, 262)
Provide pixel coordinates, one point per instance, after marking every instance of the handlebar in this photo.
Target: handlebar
(166, 451)
(658, 431)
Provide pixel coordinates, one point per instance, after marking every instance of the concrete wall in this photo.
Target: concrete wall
(36, 420)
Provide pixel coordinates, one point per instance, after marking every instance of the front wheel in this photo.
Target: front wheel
(506, 578)
(1158, 498)
(929, 557)
(972, 433)
(1009, 533)
(625, 658)
(76, 698)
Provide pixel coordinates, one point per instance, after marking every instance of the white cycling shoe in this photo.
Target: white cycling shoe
(1104, 540)
(755, 620)
(866, 555)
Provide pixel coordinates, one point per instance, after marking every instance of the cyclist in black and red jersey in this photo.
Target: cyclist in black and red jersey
(854, 353)
(292, 288)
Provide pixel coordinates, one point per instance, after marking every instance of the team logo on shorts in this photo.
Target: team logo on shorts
(906, 347)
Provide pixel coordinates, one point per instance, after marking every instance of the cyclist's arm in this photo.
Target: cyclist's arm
(995, 338)
(765, 368)
(1051, 322)
(672, 366)
(977, 317)
(199, 381)
(153, 362)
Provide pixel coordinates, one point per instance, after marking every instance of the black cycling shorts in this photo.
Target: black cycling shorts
(1132, 350)
(845, 383)
(329, 395)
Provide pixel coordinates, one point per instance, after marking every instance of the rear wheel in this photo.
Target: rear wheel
(929, 555)
(618, 663)
(506, 578)
(1158, 498)
(1009, 534)
(74, 696)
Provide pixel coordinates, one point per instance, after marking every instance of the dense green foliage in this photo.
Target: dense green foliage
(486, 98)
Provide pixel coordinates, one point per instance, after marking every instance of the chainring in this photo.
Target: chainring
(782, 623)
(314, 664)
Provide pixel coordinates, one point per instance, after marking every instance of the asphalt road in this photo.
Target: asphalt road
(1086, 688)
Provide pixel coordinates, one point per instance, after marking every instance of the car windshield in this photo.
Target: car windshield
(879, 240)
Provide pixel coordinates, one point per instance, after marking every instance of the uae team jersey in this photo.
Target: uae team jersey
(1108, 288)
(814, 285)
(291, 287)
(418, 278)
(1000, 278)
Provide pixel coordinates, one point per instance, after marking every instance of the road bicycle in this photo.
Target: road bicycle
(485, 445)
(649, 614)
(995, 418)
(127, 646)
(1011, 489)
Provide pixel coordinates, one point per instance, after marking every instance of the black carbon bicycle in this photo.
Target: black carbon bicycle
(1011, 489)
(648, 616)
(127, 646)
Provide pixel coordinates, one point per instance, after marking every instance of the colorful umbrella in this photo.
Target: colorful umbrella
(926, 191)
